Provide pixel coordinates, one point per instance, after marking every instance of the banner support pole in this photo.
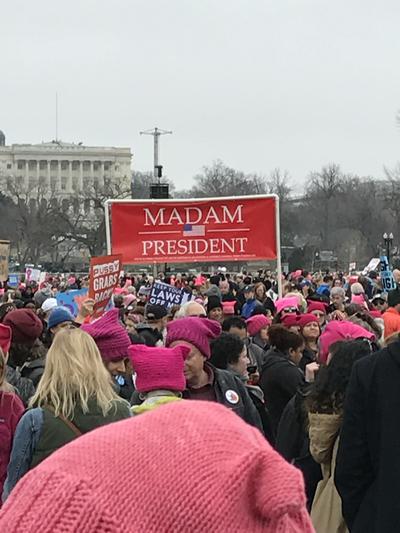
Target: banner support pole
(108, 227)
(278, 247)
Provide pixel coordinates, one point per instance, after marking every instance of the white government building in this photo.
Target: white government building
(62, 168)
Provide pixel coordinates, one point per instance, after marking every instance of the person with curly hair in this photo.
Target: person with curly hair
(325, 405)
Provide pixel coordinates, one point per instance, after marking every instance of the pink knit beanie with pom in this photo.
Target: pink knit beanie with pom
(148, 474)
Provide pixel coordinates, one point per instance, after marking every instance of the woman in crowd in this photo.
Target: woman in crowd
(319, 309)
(281, 377)
(310, 331)
(325, 404)
(11, 407)
(229, 352)
(260, 292)
(257, 330)
(74, 396)
(214, 308)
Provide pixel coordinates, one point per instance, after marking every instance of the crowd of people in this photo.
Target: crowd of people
(294, 426)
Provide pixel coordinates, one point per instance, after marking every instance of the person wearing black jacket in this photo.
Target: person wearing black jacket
(228, 352)
(367, 474)
(203, 380)
(281, 377)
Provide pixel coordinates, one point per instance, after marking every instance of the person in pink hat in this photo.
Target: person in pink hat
(160, 377)
(201, 469)
(286, 306)
(11, 406)
(113, 341)
(310, 331)
(203, 381)
(319, 309)
(257, 329)
(337, 331)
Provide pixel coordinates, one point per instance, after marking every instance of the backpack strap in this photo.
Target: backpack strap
(67, 422)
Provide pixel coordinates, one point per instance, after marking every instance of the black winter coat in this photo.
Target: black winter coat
(280, 379)
(293, 443)
(368, 461)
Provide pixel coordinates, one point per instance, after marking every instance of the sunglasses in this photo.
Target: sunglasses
(290, 310)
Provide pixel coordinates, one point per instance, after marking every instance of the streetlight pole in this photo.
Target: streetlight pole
(388, 240)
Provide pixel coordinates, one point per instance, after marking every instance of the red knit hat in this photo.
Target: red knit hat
(242, 482)
(316, 306)
(197, 331)
(256, 323)
(306, 319)
(111, 338)
(5, 338)
(25, 325)
(291, 320)
(159, 368)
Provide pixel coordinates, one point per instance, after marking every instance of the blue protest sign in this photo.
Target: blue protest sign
(13, 281)
(72, 299)
(388, 283)
(167, 296)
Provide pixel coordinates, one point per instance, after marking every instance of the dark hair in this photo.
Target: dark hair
(358, 311)
(226, 350)
(328, 392)
(233, 322)
(283, 339)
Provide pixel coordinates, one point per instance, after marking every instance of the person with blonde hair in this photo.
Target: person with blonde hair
(11, 406)
(74, 396)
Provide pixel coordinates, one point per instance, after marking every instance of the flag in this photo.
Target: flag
(193, 231)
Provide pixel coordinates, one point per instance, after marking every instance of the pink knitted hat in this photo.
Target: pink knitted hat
(111, 338)
(159, 368)
(337, 331)
(256, 323)
(281, 304)
(243, 483)
(359, 300)
(197, 331)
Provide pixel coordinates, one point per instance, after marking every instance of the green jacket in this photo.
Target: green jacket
(55, 432)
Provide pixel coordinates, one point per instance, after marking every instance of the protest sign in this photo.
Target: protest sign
(103, 280)
(72, 299)
(4, 257)
(372, 265)
(210, 229)
(167, 296)
(13, 281)
(387, 279)
(32, 274)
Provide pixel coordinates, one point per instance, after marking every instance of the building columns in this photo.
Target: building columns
(26, 180)
(101, 179)
(80, 182)
(48, 183)
(69, 180)
(58, 182)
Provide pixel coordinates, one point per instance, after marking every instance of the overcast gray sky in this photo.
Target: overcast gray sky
(257, 83)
